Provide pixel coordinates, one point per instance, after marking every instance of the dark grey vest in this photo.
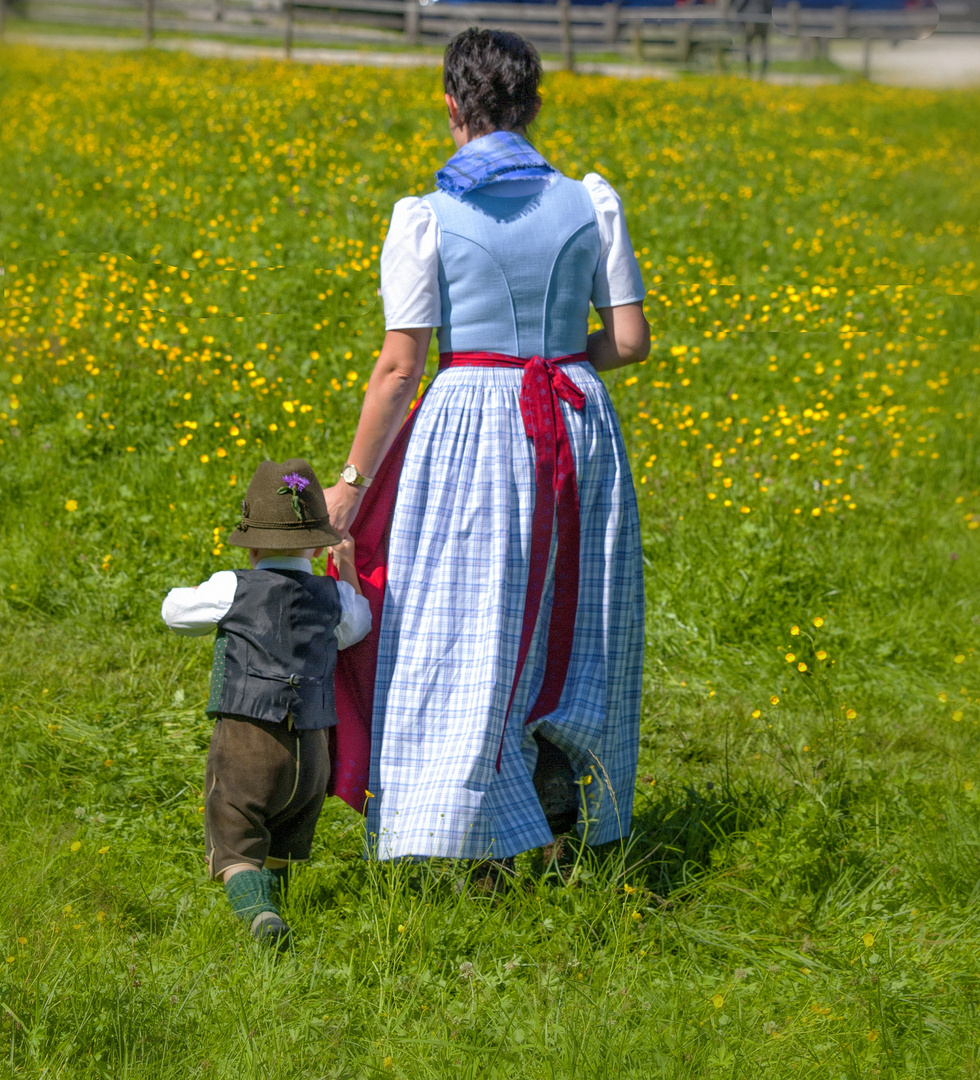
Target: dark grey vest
(276, 649)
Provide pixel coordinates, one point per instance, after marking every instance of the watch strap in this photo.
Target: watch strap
(358, 480)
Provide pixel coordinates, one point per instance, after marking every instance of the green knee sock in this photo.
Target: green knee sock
(250, 891)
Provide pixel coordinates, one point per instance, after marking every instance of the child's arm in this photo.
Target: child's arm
(196, 611)
(355, 619)
(343, 558)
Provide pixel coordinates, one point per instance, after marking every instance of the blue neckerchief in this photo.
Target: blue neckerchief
(501, 155)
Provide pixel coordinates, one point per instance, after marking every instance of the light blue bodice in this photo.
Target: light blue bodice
(516, 274)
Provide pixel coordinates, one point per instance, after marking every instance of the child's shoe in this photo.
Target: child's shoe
(250, 894)
(267, 926)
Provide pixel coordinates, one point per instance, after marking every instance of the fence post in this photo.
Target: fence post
(793, 7)
(840, 21)
(565, 30)
(795, 12)
(638, 42)
(219, 10)
(866, 65)
(720, 49)
(288, 30)
(411, 22)
(148, 28)
(684, 42)
(610, 18)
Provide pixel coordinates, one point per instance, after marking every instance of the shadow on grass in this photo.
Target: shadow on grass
(675, 831)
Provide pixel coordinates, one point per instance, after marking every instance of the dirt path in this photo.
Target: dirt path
(943, 60)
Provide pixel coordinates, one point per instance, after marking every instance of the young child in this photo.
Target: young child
(279, 629)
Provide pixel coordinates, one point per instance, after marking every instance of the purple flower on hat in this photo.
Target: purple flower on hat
(293, 484)
(296, 482)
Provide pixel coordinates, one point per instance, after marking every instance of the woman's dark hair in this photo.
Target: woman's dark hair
(493, 75)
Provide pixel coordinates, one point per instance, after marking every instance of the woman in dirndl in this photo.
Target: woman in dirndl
(496, 529)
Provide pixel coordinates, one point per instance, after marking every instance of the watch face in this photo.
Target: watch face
(349, 475)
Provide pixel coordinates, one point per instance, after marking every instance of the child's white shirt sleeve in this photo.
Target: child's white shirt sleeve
(194, 612)
(355, 618)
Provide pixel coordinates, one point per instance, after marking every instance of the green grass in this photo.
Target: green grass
(190, 267)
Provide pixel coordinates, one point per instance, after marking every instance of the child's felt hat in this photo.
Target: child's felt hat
(284, 509)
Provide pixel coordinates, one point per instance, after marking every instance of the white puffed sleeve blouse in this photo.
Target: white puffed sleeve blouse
(410, 260)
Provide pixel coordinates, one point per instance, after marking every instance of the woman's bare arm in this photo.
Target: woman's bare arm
(391, 388)
(624, 337)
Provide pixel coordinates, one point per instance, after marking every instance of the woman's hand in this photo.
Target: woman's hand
(343, 500)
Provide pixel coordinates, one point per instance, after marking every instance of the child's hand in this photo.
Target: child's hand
(343, 558)
(342, 553)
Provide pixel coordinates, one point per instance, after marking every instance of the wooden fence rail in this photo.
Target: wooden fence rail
(644, 33)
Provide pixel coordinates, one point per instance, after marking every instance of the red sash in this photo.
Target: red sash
(556, 501)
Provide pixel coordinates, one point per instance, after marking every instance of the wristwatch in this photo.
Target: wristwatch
(350, 475)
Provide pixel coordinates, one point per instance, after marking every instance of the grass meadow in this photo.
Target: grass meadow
(190, 273)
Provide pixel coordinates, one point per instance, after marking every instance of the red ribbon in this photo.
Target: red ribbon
(543, 386)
